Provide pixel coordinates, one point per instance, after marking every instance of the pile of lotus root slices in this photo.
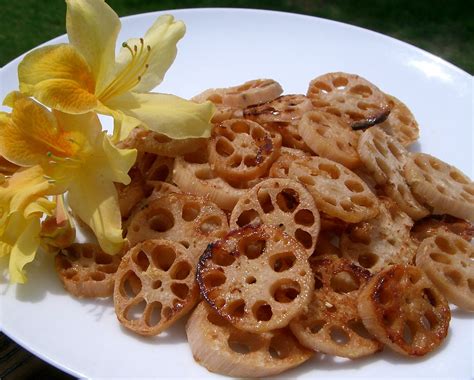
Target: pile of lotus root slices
(302, 225)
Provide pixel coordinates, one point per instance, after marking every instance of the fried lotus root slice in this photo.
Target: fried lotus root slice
(351, 97)
(433, 224)
(130, 195)
(223, 111)
(253, 92)
(448, 261)
(441, 186)
(190, 220)
(285, 108)
(381, 241)
(336, 190)
(404, 310)
(385, 159)
(242, 150)
(155, 286)
(198, 178)
(257, 277)
(331, 323)
(330, 137)
(154, 167)
(401, 124)
(223, 349)
(281, 166)
(87, 271)
(281, 203)
(145, 140)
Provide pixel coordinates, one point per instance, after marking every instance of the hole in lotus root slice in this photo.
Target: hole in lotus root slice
(235, 309)
(244, 343)
(163, 257)
(161, 221)
(135, 310)
(285, 291)
(86, 271)
(282, 261)
(211, 224)
(305, 217)
(180, 290)
(248, 156)
(358, 101)
(338, 335)
(345, 282)
(190, 211)
(251, 248)
(265, 201)
(392, 322)
(180, 270)
(275, 267)
(248, 217)
(153, 314)
(287, 200)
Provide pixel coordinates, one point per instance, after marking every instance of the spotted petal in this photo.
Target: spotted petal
(30, 134)
(59, 77)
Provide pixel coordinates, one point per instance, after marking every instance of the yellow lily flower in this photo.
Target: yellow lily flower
(76, 156)
(84, 75)
(22, 203)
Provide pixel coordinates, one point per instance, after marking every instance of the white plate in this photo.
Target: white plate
(224, 47)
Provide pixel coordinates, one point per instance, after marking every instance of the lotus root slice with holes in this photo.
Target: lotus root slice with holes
(433, 224)
(330, 137)
(402, 308)
(130, 195)
(154, 167)
(87, 271)
(448, 261)
(350, 97)
(285, 108)
(257, 277)
(336, 190)
(331, 323)
(223, 349)
(198, 178)
(441, 186)
(385, 159)
(222, 111)
(281, 203)
(281, 166)
(401, 124)
(155, 286)
(187, 219)
(381, 241)
(242, 150)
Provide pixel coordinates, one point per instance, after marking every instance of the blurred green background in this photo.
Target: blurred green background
(445, 28)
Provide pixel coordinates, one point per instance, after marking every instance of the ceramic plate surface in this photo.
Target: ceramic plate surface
(224, 47)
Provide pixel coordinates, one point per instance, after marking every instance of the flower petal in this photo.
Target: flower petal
(31, 133)
(22, 236)
(170, 115)
(119, 161)
(94, 200)
(162, 38)
(59, 77)
(92, 27)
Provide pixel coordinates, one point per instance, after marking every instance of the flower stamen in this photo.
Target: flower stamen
(131, 74)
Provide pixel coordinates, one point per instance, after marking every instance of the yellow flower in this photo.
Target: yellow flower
(22, 203)
(76, 156)
(84, 75)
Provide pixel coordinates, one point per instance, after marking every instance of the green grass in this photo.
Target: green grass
(445, 28)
